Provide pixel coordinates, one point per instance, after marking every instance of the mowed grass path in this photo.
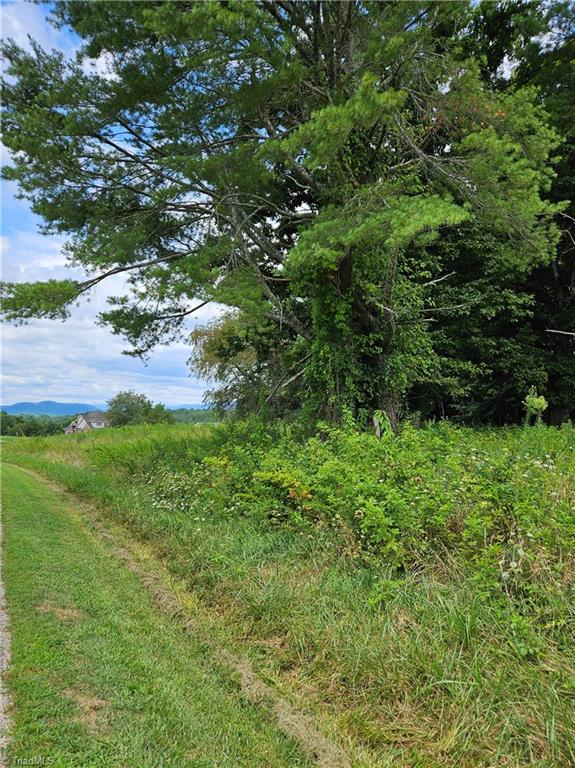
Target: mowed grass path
(100, 675)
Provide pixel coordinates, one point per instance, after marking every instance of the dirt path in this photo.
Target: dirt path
(94, 541)
(5, 721)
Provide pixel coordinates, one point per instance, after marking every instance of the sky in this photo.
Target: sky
(75, 360)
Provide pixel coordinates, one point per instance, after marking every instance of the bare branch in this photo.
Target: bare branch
(185, 313)
(439, 279)
(282, 383)
(87, 284)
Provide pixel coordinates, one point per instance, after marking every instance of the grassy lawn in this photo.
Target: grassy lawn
(100, 676)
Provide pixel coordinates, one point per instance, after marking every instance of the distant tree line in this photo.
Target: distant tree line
(130, 408)
(193, 415)
(25, 425)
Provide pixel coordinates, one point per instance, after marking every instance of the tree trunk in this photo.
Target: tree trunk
(390, 406)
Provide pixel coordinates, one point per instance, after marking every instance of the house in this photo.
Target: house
(86, 421)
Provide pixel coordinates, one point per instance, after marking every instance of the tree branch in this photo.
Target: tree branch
(87, 284)
(185, 313)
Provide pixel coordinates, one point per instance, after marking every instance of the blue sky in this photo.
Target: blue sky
(76, 360)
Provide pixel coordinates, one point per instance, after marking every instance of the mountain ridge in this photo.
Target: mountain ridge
(49, 408)
(53, 408)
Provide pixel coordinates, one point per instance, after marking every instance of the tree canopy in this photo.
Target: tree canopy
(128, 408)
(378, 192)
(28, 425)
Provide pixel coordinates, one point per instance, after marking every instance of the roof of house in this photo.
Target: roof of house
(95, 416)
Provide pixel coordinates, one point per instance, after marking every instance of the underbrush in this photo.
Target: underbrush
(499, 502)
(418, 589)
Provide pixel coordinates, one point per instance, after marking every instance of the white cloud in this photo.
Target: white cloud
(102, 66)
(32, 256)
(77, 359)
(507, 67)
(19, 20)
(81, 361)
(5, 155)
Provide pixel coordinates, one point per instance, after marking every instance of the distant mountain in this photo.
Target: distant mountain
(196, 407)
(50, 408)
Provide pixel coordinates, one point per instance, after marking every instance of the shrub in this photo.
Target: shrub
(501, 501)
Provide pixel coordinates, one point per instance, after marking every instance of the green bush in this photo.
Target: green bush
(500, 501)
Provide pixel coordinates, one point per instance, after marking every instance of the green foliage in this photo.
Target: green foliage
(51, 299)
(535, 405)
(443, 488)
(129, 408)
(329, 130)
(32, 426)
(321, 171)
(499, 501)
(425, 576)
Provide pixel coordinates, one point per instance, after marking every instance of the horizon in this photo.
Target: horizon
(84, 401)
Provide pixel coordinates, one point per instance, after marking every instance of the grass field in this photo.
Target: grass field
(100, 675)
(414, 594)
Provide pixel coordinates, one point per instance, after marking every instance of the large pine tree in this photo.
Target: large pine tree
(354, 180)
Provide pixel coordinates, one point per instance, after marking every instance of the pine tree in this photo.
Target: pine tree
(313, 166)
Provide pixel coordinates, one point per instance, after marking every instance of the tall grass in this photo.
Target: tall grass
(416, 591)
